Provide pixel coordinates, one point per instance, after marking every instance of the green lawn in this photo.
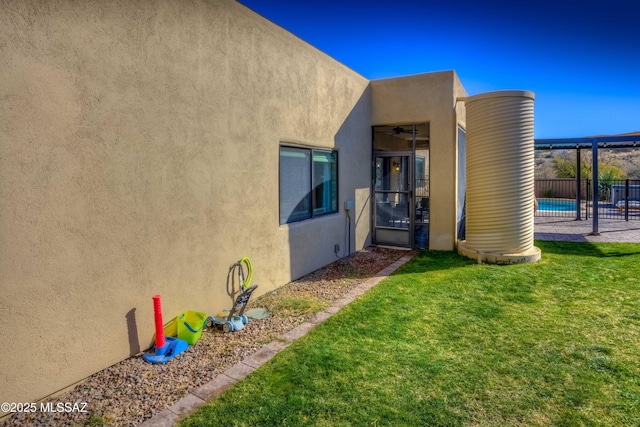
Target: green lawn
(446, 342)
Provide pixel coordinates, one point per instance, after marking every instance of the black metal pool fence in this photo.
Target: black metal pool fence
(570, 198)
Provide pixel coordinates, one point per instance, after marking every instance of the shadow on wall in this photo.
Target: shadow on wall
(313, 244)
(235, 282)
(366, 208)
(355, 134)
(132, 330)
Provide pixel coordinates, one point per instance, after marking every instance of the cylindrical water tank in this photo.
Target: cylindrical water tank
(500, 165)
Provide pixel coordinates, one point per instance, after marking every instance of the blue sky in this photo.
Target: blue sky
(581, 58)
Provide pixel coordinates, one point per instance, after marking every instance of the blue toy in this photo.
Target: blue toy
(235, 319)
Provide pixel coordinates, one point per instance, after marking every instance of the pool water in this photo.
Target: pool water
(556, 205)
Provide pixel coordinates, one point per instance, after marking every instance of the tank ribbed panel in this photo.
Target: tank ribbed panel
(500, 167)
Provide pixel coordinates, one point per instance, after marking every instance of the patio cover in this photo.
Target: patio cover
(629, 140)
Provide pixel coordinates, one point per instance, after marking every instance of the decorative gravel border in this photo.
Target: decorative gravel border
(134, 392)
(240, 370)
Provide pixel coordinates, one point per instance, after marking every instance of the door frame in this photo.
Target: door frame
(409, 193)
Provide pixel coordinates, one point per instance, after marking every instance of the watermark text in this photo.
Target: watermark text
(49, 407)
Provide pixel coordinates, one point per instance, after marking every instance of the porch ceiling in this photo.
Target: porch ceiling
(405, 131)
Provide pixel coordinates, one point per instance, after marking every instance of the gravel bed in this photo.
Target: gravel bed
(128, 393)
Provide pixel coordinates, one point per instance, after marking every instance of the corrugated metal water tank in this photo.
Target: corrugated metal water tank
(500, 180)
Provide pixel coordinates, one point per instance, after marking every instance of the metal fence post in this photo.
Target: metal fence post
(586, 205)
(578, 216)
(626, 199)
(594, 173)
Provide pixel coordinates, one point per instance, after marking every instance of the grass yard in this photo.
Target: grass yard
(447, 342)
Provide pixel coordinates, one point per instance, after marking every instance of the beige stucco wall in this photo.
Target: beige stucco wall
(461, 121)
(429, 97)
(139, 156)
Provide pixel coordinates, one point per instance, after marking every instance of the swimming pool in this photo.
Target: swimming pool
(556, 205)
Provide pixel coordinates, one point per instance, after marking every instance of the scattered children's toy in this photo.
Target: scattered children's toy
(235, 319)
(166, 348)
(190, 325)
(257, 313)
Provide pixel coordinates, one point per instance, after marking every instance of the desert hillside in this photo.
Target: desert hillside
(627, 159)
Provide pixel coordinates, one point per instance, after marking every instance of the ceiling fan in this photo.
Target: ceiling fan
(398, 130)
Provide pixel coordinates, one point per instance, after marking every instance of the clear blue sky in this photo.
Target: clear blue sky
(581, 58)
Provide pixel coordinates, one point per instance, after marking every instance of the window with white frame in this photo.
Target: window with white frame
(308, 183)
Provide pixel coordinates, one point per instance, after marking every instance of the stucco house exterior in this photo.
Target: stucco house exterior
(146, 146)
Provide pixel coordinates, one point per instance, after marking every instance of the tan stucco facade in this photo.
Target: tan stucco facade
(429, 98)
(139, 150)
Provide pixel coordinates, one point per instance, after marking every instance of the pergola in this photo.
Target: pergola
(593, 143)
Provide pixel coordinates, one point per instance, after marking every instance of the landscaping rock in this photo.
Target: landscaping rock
(133, 390)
